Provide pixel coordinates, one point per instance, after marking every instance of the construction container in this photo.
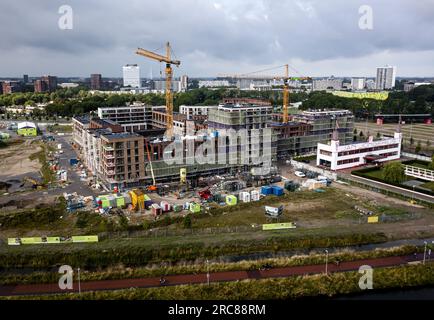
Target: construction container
(148, 201)
(245, 196)
(194, 207)
(120, 201)
(137, 199)
(165, 206)
(156, 209)
(231, 200)
(265, 190)
(254, 195)
(277, 191)
(127, 198)
(73, 161)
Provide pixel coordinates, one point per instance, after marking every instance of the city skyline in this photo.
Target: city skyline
(218, 37)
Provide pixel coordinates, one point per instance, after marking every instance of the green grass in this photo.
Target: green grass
(60, 128)
(428, 185)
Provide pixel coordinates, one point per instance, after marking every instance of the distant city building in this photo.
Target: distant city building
(131, 76)
(370, 84)
(191, 111)
(331, 83)
(11, 87)
(184, 83)
(213, 83)
(66, 85)
(25, 78)
(358, 83)
(408, 86)
(95, 81)
(46, 84)
(385, 78)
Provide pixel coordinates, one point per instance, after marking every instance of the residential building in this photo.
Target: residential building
(131, 76)
(385, 78)
(11, 87)
(408, 86)
(96, 82)
(160, 85)
(25, 78)
(46, 84)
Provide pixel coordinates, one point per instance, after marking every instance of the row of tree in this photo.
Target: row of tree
(75, 101)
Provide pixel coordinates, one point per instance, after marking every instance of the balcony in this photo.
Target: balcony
(109, 156)
(108, 148)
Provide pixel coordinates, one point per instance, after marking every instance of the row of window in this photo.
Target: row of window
(348, 161)
(365, 150)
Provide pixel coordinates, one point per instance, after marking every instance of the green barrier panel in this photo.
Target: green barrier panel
(278, 226)
(76, 239)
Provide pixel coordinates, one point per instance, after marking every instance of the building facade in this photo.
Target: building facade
(131, 76)
(385, 78)
(336, 156)
(132, 118)
(96, 82)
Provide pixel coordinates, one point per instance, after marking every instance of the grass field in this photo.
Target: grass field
(420, 132)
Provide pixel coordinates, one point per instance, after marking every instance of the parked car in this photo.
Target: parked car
(299, 174)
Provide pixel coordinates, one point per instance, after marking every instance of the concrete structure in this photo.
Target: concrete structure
(308, 128)
(337, 157)
(131, 76)
(385, 78)
(408, 86)
(27, 129)
(134, 117)
(160, 85)
(184, 83)
(95, 82)
(191, 111)
(327, 84)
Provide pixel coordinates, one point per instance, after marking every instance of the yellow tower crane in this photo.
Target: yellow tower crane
(169, 76)
(286, 78)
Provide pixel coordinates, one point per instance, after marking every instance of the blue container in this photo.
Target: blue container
(148, 204)
(266, 190)
(277, 191)
(73, 161)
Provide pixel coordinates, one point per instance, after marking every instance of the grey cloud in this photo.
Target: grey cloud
(229, 33)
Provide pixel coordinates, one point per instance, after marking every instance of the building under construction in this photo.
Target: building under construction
(129, 159)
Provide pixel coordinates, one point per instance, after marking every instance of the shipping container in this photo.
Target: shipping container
(277, 191)
(156, 209)
(245, 196)
(231, 200)
(254, 195)
(266, 190)
(165, 206)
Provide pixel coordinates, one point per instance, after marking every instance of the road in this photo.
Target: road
(379, 185)
(227, 276)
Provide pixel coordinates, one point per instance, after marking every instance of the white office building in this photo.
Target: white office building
(386, 77)
(331, 83)
(213, 83)
(337, 157)
(131, 76)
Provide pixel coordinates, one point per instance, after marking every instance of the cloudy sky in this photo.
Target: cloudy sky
(211, 37)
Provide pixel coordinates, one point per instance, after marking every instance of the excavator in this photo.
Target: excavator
(35, 184)
(153, 187)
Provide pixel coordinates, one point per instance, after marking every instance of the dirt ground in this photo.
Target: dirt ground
(14, 160)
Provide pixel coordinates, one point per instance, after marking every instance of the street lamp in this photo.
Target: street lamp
(79, 284)
(207, 271)
(327, 258)
(424, 252)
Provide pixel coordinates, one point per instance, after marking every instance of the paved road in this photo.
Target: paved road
(172, 280)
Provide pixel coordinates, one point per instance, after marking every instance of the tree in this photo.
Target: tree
(411, 141)
(431, 165)
(378, 135)
(361, 134)
(428, 144)
(394, 172)
(418, 147)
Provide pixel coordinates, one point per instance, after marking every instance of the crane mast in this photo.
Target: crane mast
(169, 75)
(285, 95)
